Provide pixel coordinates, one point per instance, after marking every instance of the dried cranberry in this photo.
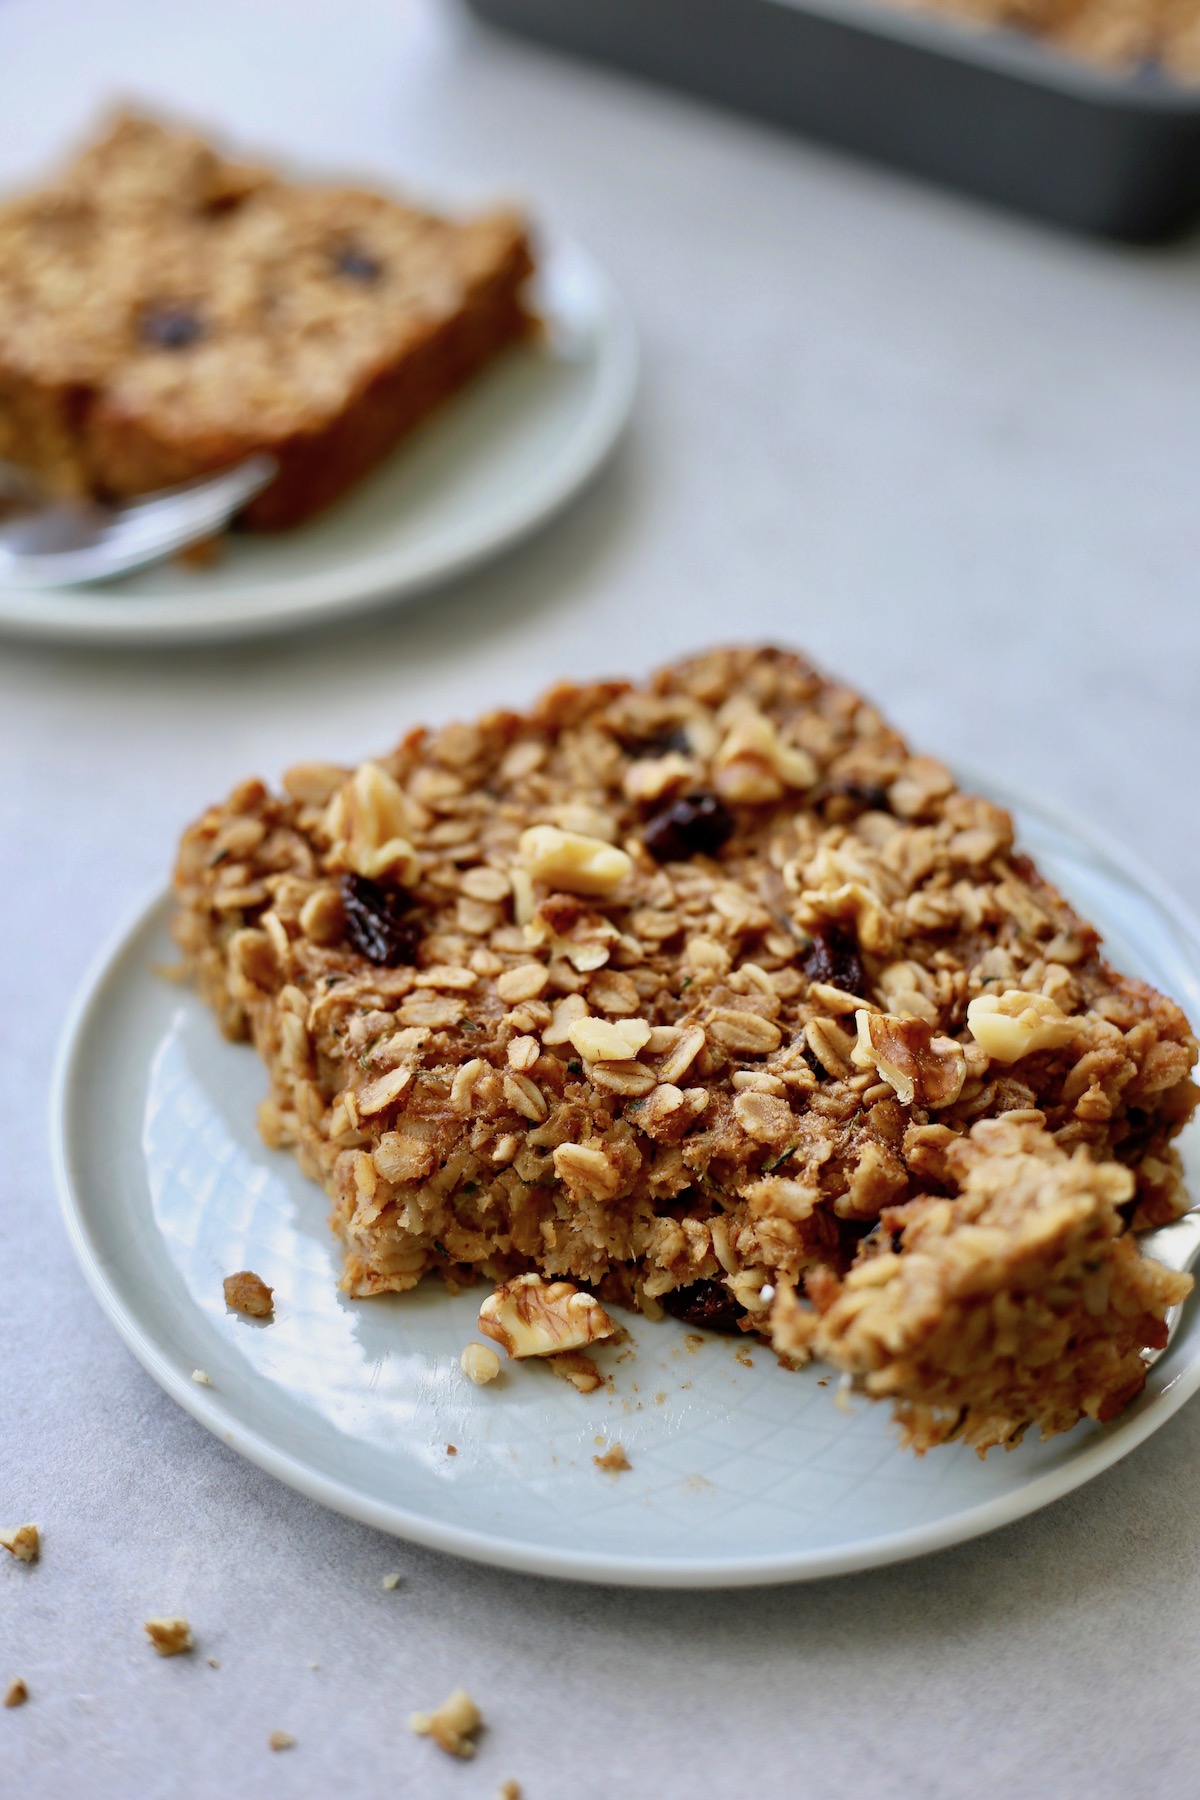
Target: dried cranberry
(708, 1304)
(833, 958)
(356, 264)
(695, 826)
(379, 922)
(171, 327)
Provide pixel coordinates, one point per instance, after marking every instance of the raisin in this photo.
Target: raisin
(708, 1304)
(833, 958)
(171, 327)
(356, 264)
(660, 744)
(697, 825)
(379, 922)
(844, 795)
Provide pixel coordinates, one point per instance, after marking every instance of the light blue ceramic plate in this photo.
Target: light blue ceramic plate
(740, 1474)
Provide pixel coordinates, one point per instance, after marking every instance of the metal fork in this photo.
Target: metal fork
(68, 543)
(1177, 1246)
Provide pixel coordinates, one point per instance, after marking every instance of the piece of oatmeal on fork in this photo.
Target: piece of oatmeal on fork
(668, 990)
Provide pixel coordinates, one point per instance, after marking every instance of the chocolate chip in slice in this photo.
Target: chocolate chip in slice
(706, 1304)
(697, 825)
(171, 327)
(380, 923)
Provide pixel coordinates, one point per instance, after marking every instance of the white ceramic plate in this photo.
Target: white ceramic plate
(740, 1474)
(496, 462)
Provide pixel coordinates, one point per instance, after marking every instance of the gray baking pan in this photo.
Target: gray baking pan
(991, 112)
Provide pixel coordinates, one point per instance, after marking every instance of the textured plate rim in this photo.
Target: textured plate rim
(279, 604)
(1117, 1441)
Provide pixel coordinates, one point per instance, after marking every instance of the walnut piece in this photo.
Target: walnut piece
(452, 1726)
(1014, 1024)
(16, 1693)
(923, 1069)
(531, 1317)
(573, 862)
(170, 1637)
(479, 1364)
(22, 1541)
(248, 1293)
(367, 821)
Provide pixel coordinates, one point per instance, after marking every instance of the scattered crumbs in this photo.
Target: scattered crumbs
(202, 1377)
(249, 1294)
(387, 1584)
(451, 1449)
(627, 1354)
(694, 1342)
(509, 1790)
(614, 1461)
(17, 1693)
(313, 1665)
(170, 1637)
(684, 1385)
(659, 1399)
(600, 1439)
(212, 1662)
(22, 1541)
(578, 1369)
(743, 1356)
(281, 1740)
(823, 1381)
(698, 1484)
(453, 1726)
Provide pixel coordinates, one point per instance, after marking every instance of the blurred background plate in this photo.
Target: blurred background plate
(496, 462)
(741, 1472)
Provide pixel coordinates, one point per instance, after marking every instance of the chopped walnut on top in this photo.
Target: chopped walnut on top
(1014, 1024)
(248, 1293)
(532, 1317)
(22, 1541)
(922, 1067)
(452, 1726)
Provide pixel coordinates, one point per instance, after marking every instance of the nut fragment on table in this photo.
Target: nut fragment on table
(16, 1693)
(532, 1317)
(169, 1636)
(248, 1293)
(452, 1726)
(479, 1364)
(281, 1740)
(22, 1541)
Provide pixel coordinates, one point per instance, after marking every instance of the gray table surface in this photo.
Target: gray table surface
(955, 457)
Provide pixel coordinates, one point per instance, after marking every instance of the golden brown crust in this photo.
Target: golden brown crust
(165, 312)
(646, 1070)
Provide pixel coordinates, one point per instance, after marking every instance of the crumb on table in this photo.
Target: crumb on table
(17, 1693)
(22, 1541)
(169, 1636)
(452, 1726)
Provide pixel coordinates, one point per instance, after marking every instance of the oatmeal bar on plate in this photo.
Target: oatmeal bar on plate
(708, 994)
(165, 311)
